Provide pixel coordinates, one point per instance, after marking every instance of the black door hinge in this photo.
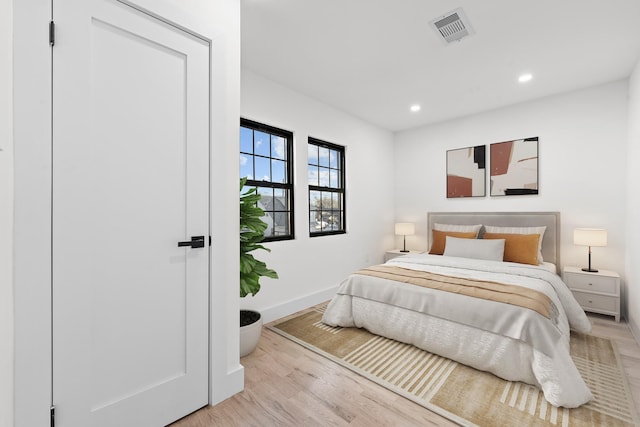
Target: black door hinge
(53, 416)
(209, 240)
(52, 33)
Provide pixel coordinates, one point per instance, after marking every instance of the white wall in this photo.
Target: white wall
(217, 21)
(633, 204)
(582, 166)
(6, 214)
(311, 268)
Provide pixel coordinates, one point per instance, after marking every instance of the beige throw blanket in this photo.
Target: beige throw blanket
(494, 291)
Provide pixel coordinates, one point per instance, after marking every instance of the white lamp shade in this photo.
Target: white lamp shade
(590, 237)
(405, 228)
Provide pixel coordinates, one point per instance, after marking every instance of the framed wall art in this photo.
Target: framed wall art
(466, 172)
(514, 167)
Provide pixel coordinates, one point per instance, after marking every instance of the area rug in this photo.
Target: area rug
(462, 394)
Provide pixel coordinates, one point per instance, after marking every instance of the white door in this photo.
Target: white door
(130, 181)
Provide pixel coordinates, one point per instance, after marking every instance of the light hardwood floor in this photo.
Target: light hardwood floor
(287, 385)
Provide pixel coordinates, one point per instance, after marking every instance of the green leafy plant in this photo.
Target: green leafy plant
(252, 230)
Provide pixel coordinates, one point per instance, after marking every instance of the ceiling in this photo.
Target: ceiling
(376, 58)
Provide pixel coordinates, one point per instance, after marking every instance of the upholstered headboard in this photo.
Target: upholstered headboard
(550, 241)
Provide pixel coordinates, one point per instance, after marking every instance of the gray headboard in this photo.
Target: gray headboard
(550, 241)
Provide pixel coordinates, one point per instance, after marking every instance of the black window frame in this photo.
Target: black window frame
(288, 136)
(340, 190)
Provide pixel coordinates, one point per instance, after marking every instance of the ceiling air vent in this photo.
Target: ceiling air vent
(452, 26)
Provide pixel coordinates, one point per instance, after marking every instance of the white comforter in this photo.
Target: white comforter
(513, 343)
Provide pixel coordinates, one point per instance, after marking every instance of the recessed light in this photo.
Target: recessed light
(525, 78)
(415, 108)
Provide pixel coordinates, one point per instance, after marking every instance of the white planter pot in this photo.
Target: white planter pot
(249, 337)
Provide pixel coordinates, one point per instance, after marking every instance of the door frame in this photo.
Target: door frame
(220, 25)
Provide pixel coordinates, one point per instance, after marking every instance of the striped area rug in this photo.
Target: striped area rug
(464, 395)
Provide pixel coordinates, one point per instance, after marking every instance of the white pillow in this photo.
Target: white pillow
(520, 230)
(456, 227)
(491, 249)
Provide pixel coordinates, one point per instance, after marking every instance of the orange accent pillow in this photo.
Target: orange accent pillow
(521, 248)
(440, 239)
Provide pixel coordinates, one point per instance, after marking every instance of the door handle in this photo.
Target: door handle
(195, 242)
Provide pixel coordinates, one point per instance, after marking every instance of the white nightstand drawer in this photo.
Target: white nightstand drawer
(597, 302)
(608, 285)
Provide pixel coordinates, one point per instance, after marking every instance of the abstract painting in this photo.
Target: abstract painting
(466, 172)
(514, 167)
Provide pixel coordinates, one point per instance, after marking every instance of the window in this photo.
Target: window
(326, 188)
(266, 161)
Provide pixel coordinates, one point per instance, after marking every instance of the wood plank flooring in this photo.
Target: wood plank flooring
(287, 385)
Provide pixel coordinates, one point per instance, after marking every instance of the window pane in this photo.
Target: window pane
(246, 140)
(278, 171)
(326, 201)
(312, 154)
(323, 154)
(315, 200)
(334, 159)
(325, 221)
(334, 181)
(278, 147)
(268, 219)
(261, 143)
(266, 199)
(330, 220)
(337, 221)
(335, 201)
(315, 221)
(246, 166)
(323, 177)
(263, 169)
(281, 223)
(313, 175)
(265, 192)
(281, 199)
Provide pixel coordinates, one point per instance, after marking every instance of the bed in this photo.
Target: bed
(512, 319)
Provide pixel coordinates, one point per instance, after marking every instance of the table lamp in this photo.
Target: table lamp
(405, 229)
(590, 237)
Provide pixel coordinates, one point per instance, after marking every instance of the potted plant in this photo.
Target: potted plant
(252, 230)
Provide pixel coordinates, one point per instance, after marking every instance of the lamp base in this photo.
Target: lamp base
(590, 270)
(404, 250)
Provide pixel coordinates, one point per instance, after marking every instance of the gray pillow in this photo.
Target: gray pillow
(492, 249)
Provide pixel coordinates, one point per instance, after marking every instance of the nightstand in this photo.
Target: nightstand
(393, 253)
(596, 292)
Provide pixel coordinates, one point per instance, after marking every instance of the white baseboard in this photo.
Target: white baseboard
(233, 384)
(635, 331)
(289, 307)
